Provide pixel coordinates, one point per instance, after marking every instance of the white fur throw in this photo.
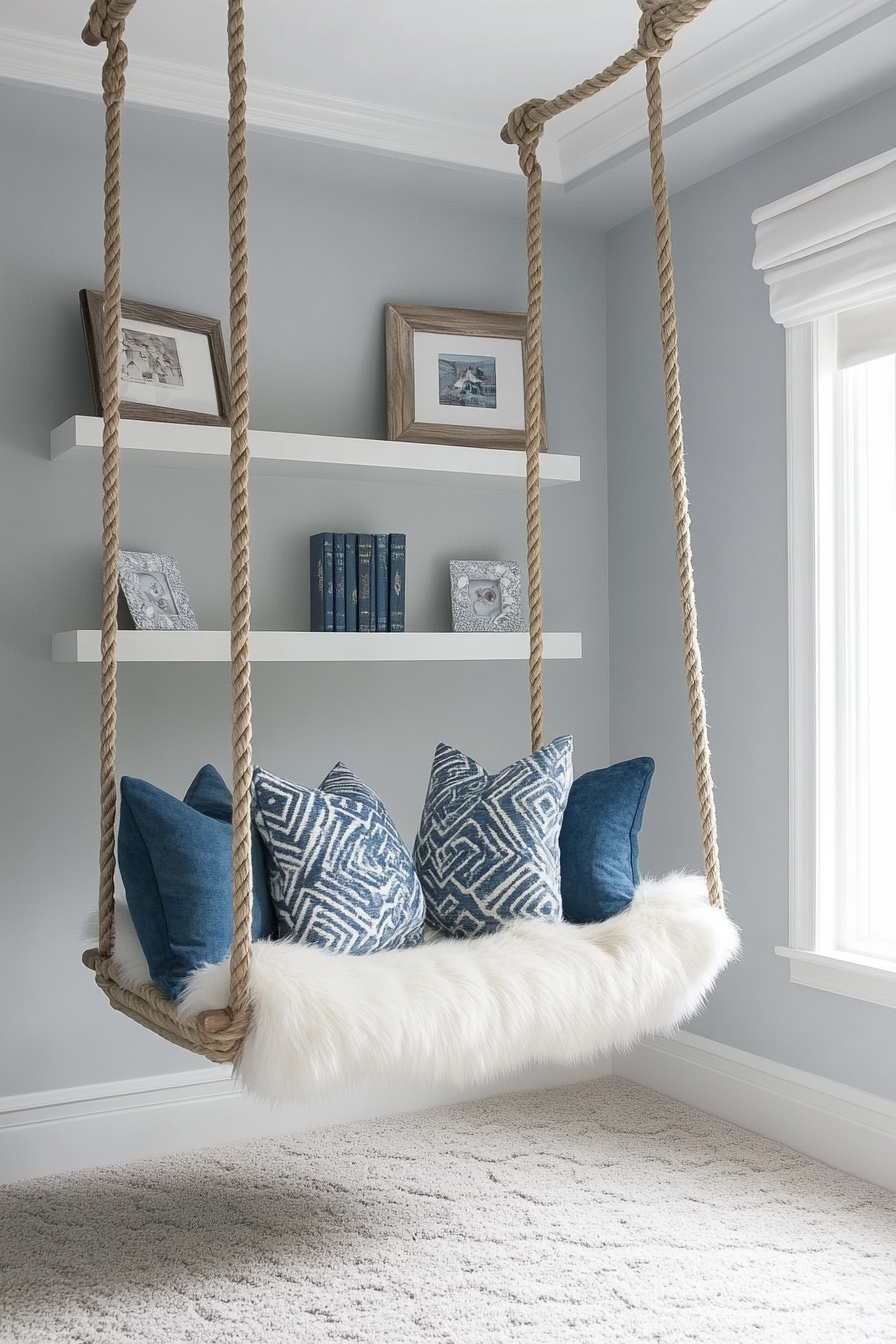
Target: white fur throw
(468, 1010)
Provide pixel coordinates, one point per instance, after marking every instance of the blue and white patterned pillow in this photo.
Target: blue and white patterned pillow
(340, 874)
(488, 848)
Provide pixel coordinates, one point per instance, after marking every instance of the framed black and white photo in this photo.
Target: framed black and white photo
(455, 376)
(152, 595)
(172, 365)
(486, 595)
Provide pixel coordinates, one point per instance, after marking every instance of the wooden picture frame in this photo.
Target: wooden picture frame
(173, 364)
(455, 376)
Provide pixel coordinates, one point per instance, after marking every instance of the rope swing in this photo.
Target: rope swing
(525, 126)
(219, 1034)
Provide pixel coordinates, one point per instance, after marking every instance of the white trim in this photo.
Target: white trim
(733, 50)
(65, 63)
(811, 193)
(802, 623)
(855, 977)
(42, 1133)
(841, 1125)
(100, 1124)
(831, 246)
(749, 46)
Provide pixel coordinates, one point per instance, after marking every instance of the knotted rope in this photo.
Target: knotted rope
(660, 21)
(106, 23)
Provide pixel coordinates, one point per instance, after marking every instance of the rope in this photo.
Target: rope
(669, 334)
(104, 17)
(108, 21)
(106, 24)
(660, 21)
(239, 518)
(533, 374)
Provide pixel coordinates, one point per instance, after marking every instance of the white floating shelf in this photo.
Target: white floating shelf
(304, 646)
(156, 444)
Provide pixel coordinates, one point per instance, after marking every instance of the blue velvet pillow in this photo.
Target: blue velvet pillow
(599, 840)
(487, 848)
(341, 876)
(175, 862)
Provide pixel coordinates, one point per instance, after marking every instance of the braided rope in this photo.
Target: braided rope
(669, 334)
(533, 376)
(113, 94)
(148, 1005)
(239, 518)
(660, 21)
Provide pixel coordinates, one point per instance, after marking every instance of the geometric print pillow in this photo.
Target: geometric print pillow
(340, 875)
(488, 847)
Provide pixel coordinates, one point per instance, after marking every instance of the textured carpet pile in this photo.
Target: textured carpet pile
(598, 1212)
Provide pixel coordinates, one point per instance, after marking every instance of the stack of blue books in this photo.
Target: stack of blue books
(357, 581)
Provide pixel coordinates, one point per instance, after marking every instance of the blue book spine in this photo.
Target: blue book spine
(351, 580)
(365, 589)
(328, 580)
(321, 555)
(397, 548)
(339, 581)
(381, 567)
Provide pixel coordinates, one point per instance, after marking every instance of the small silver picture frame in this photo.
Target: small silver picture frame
(152, 595)
(486, 596)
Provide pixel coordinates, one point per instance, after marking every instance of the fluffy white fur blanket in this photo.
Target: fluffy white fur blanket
(465, 1011)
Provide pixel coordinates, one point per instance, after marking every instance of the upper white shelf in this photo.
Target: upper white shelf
(159, 444)
(310, 646)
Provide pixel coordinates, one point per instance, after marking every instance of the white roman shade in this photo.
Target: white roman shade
(866, 333)
(831, 246)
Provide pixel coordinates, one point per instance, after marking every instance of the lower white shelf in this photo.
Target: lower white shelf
(307, 646)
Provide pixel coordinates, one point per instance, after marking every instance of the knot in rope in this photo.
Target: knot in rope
(105, 16)
(653, 43)
(525, 127)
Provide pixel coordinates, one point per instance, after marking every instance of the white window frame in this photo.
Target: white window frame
(824, 249)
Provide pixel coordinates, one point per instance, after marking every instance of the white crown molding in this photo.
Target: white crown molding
(65, 63)
(735, 44)
(752, 47)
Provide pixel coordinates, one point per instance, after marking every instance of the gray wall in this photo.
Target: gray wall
(330, 245)
(734, 409)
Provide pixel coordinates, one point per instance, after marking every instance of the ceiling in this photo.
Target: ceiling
(423, 81)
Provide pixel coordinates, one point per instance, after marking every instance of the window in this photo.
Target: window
(829, 256)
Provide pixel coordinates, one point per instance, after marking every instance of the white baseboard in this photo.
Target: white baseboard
(852, 1130)
(42, 1133)
(47, 1132)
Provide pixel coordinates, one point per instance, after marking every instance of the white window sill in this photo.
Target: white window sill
(856, 977)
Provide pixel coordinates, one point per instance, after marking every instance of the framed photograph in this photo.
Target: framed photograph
(152, 595)
(455, 376)
(486, 595)
(172, 365)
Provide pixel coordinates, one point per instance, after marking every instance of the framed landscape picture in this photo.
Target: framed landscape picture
(455, 376)
(172, 365)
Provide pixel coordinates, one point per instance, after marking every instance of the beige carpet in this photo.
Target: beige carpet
(598, 1212)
